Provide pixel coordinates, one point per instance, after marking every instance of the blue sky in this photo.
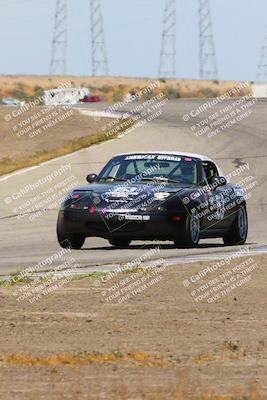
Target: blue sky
(133, 36)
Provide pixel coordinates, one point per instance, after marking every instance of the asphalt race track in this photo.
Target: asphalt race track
(25, 240)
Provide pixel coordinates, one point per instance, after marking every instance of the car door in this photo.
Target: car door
(218, 199)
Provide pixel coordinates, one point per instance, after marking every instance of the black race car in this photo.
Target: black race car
(155, 196)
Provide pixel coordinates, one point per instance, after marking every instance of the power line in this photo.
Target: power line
(59, 43)
(98, 46)
(167, 67)
(207, 54)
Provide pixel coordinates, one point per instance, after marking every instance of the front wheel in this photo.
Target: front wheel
(190, 232)
(238, 232)
(74, 242)
(121, 242)
(69, 240)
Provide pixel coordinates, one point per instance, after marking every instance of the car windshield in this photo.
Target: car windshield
(149, 167)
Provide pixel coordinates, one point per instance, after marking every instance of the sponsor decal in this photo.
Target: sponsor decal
(156, 157)
(137, 217)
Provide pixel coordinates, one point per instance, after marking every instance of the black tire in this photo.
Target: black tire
(120, 242)
(238, 232)
(69, 241)
(72, 241)
(189, 235)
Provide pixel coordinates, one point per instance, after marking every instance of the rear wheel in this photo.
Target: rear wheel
(238, 232)
(121, 242)
(190, 232)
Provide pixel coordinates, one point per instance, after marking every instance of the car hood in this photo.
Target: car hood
(117, 195)
(131, 189)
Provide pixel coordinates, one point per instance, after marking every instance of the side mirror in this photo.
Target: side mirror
(218, 181)
(91, 178)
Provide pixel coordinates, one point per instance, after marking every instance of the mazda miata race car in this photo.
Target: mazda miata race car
(155, 196)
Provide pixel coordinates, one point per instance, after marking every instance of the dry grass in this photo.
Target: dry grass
(122, 391)
(79, 131)
(225, 352)
(110, 86)
(8, 164)
(84, 359)
(182, 389)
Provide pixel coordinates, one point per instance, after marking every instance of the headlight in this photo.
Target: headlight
(161, 195)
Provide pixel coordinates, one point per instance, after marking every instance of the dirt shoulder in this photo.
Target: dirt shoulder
(41, 133)
(166, 341)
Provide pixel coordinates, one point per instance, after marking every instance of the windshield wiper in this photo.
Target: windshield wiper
(112, 177)
(159, 178)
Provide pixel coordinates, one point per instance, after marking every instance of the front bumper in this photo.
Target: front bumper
(162, 225)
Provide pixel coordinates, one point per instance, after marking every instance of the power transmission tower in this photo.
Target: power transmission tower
(208, 64)
(167, 67)
(262, 66)
(99, 54)
(59, 44)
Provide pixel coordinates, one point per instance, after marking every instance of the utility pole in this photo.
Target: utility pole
(59, 43)
(262, 66)
(208, 64)
(99, 54)
(167, 67)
